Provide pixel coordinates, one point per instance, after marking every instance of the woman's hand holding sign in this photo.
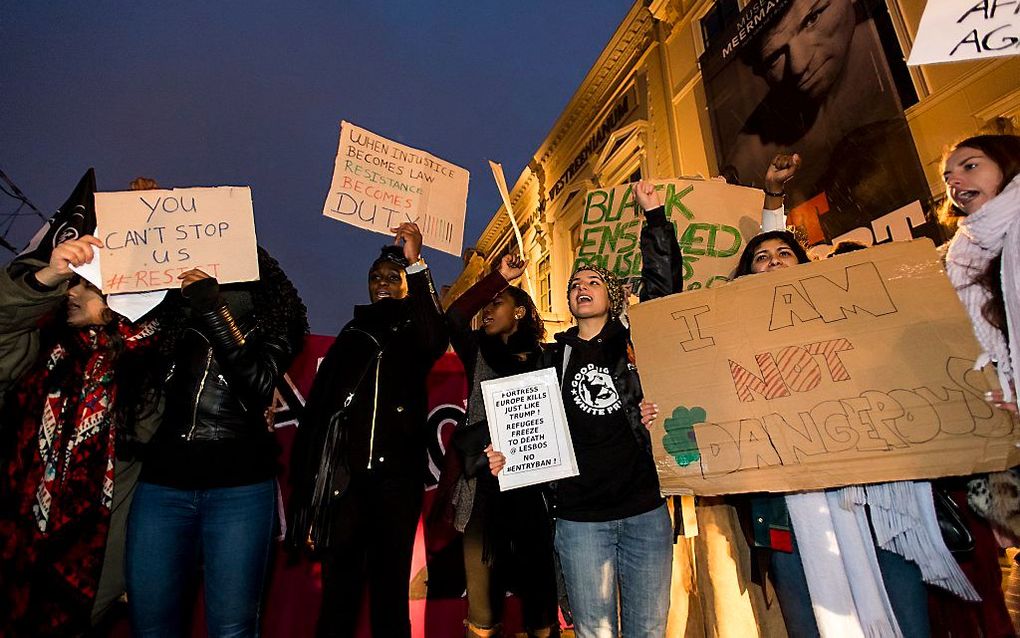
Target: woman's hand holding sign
(410, 235)
(73, 252)
(496, 460)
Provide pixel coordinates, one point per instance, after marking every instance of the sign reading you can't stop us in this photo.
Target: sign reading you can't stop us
(150, 237)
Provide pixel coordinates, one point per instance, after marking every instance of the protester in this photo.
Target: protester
(790, 526)
(982, 176)
(613, 531)
(78, 384)
(983, 260)
(508, 541)
(359, 460)
(207, 493)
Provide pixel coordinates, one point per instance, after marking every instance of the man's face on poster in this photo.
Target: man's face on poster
(804, 52)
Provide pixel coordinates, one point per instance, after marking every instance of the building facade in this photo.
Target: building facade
(642, 111)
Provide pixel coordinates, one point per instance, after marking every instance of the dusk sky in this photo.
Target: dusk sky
(252, 93)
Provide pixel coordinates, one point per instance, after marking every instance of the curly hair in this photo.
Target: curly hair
(390, 255)
(278, 306)
(530, 326)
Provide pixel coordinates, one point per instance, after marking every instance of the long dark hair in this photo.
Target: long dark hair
(140, 374)
(785, 236)
(530, 326)
(1004, 150)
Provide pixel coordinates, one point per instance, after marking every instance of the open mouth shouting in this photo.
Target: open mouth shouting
(968, 200)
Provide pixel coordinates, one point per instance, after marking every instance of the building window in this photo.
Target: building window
(544, 271)
(714, 24)
(575, 239)
(635, 176)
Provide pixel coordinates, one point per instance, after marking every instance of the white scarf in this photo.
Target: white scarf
(994, 229)
(904, 520)
(848, 596)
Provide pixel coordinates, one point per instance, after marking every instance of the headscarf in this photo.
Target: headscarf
(617, 298)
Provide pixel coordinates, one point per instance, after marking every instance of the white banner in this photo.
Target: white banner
(528, 424)
(954, 30)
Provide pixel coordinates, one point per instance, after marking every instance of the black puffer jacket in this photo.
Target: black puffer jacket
(370, 392)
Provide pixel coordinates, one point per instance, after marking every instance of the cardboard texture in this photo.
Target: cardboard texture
(954, 30)
(379, 184)
(150, 237)
(713, 221)
(856, 369)
(528, 425)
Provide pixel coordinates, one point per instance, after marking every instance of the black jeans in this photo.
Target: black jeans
(520, 540)
(374, 539)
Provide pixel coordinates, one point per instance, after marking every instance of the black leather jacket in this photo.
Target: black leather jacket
(225, 369)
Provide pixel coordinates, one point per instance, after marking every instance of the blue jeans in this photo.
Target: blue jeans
(618, 569)
(902, 579)
(171, 532)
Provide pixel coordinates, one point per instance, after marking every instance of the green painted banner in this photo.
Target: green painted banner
(713, 221)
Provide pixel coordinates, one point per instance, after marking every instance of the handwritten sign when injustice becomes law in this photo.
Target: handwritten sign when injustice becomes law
(954, 30)
(528, 425)
(856, 369)
(379, 184)
(713, 221)
(150, 237)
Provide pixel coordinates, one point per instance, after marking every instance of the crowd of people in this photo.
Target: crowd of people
(132, 453)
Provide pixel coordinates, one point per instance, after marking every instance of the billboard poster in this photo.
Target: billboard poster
(812, 78)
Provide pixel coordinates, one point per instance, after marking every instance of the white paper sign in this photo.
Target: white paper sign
(954, 30)
(528, 425)
(379, 184)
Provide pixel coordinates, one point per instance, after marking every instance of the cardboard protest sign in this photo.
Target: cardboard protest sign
(713, 221)
(528, 425)
(379, 184)
(954, 30)
(856, 369)
(150, 237)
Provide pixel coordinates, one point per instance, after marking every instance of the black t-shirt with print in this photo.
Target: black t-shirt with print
(617, 479)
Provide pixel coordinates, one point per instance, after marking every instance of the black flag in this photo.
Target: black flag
(76, 217)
